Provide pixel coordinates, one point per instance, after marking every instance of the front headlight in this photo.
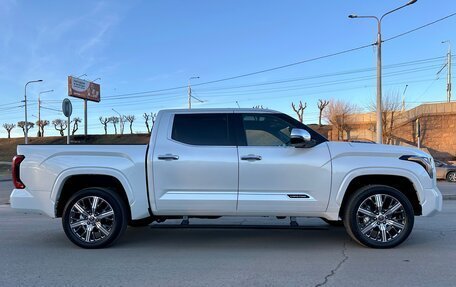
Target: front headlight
(425, 162)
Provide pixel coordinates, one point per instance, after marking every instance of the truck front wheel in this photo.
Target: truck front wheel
(379, 216)
(94, 218)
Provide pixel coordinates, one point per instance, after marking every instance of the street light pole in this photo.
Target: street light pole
(379, 66)
(25, 106)
(121, 121)
(190, 92)
(39, 111)
(403, 98)
(449, 70)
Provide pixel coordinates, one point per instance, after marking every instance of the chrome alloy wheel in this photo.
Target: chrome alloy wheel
(91, 219)
(452, 176)
(381, 217)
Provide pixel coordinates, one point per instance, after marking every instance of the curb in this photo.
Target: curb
(5, 179)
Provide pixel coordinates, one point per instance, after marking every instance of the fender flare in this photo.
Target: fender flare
(67, 173)
(378, 171)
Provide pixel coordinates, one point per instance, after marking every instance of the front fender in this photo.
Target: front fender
(378, 171)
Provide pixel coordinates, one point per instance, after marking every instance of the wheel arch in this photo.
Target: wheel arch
(72, 181)
(399, 182)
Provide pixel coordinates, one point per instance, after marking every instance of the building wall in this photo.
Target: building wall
(438, 129)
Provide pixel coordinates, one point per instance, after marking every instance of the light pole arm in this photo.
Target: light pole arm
(398, 8)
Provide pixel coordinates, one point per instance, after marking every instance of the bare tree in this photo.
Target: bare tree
(130, 119)
(391, 107)
(21, 124)
(122, 121)
(104, 122)
(337, 114)
(146, 117)
(75, 122)
(153, 118)
(114, 120)
(300, 110)
(9, 128)
(41, 124)
(60, 125)
(321, 106)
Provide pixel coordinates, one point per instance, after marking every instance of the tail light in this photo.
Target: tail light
(16, 171)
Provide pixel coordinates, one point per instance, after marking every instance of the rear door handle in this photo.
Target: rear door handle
(168, 157)
(251, 157)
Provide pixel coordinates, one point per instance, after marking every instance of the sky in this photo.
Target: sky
(140, 48)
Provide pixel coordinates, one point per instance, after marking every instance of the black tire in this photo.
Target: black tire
(451, 176)
(107, 223)
(335, 223)
(379, 226)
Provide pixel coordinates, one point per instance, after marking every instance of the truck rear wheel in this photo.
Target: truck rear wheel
(94, 218)
(379, 216)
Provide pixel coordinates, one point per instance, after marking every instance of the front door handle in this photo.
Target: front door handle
(251, 157)
(168, 157)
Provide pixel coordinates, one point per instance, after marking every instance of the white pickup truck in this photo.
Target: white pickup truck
(227, 162)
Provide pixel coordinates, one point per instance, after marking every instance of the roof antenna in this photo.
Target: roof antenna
(238, 104)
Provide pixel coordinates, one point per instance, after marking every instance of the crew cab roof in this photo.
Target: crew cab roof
(217, 110)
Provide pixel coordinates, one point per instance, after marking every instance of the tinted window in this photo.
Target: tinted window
(266, 130)
(272, 130)
(202, 129)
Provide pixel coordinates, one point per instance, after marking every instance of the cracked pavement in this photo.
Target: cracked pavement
(35, 252)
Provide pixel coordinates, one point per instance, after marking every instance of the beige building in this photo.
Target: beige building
(437, 128)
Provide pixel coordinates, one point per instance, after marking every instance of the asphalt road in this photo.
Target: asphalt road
(5, 190)
(35, 252)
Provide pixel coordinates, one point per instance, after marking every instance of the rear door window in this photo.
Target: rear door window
(203, 129)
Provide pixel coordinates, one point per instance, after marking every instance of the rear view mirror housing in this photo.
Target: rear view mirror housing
(300, 137)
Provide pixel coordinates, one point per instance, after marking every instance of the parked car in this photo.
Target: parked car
(445, 171)
(227, 162)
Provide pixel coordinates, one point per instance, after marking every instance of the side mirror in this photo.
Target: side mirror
(299, 137)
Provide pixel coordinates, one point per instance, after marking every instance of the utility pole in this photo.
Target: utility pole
(448, 64)
(403, 98)
(190, 91)
(39, 111)
(418, 132)
(189, 97)
(25, 106)
(121, 119)
(379, 66)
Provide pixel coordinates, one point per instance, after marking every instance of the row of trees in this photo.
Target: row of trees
(337, 113)
(59, 125)
(149, 120)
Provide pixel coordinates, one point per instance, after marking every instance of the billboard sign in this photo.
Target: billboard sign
(83, 89)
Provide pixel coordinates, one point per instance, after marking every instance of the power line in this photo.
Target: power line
(291, 64)
(11, 103)
(251, 73)
(282, 88)
(420, 27)
(392, 66)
